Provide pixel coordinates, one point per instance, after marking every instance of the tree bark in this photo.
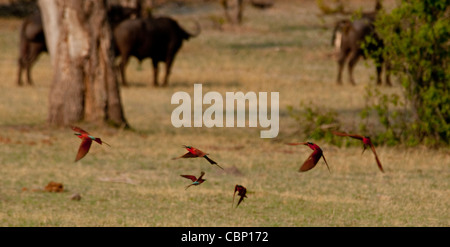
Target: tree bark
(84, 84)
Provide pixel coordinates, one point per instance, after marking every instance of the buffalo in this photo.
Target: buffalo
(32, 37)
(156, 38)
(349, 38)
(32, 44)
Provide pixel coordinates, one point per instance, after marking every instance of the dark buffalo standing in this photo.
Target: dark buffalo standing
(349, 37)
(156, 38)
(32, 44)
(32, 37)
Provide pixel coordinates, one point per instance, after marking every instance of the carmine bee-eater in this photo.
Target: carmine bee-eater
(195, 181)
(366, 142)
(242, 192)
(312, 160)
(194, 153)
(86, 142)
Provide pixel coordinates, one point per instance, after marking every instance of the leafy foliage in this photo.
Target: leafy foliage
(393, 114)
(416, 43)
(315, 123)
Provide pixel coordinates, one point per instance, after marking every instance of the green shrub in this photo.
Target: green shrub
(391, 112)
(416, 38)
(315, 123)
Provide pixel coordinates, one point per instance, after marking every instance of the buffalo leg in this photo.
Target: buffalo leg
(351, 64)
(341, 62)
(28, 69)
(34, 50)
(169, 62)
(122, 66)
(23, 55)
(19, 77)
(155, 72)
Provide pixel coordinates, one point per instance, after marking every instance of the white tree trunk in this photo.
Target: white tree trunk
(51, 21)
(84, 84)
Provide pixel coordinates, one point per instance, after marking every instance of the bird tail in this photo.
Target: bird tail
(100, 141)
(212, 161)
(326, 163)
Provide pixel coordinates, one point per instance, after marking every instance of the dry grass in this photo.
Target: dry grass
(135, 182)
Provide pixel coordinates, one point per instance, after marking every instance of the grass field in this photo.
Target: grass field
(135, 182)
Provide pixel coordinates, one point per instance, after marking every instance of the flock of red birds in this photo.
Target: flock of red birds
(317, 153)
(86, 142)
(193, 152)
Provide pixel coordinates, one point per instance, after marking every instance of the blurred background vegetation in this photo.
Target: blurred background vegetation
(416, 44)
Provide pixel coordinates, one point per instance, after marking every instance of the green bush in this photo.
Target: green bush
(393, 115)
(416, 44)
(315, 123)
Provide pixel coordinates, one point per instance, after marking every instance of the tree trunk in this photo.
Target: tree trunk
(84, 84)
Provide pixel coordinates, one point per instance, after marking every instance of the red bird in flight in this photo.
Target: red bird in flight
(86, 142)
(367, 143)
(242, 192)
(195, 181)
(312, 160)
(194, 153)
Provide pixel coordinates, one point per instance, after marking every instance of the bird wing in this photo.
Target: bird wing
(84, 148)
(79, 130)
(240, 200)
(199, 152)
(310, 162)
(360, 137)
(235, 189)
(296, 143)
(187, 155)
(376, 158)
(191, 177)
(242, 193)
(201, 175)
